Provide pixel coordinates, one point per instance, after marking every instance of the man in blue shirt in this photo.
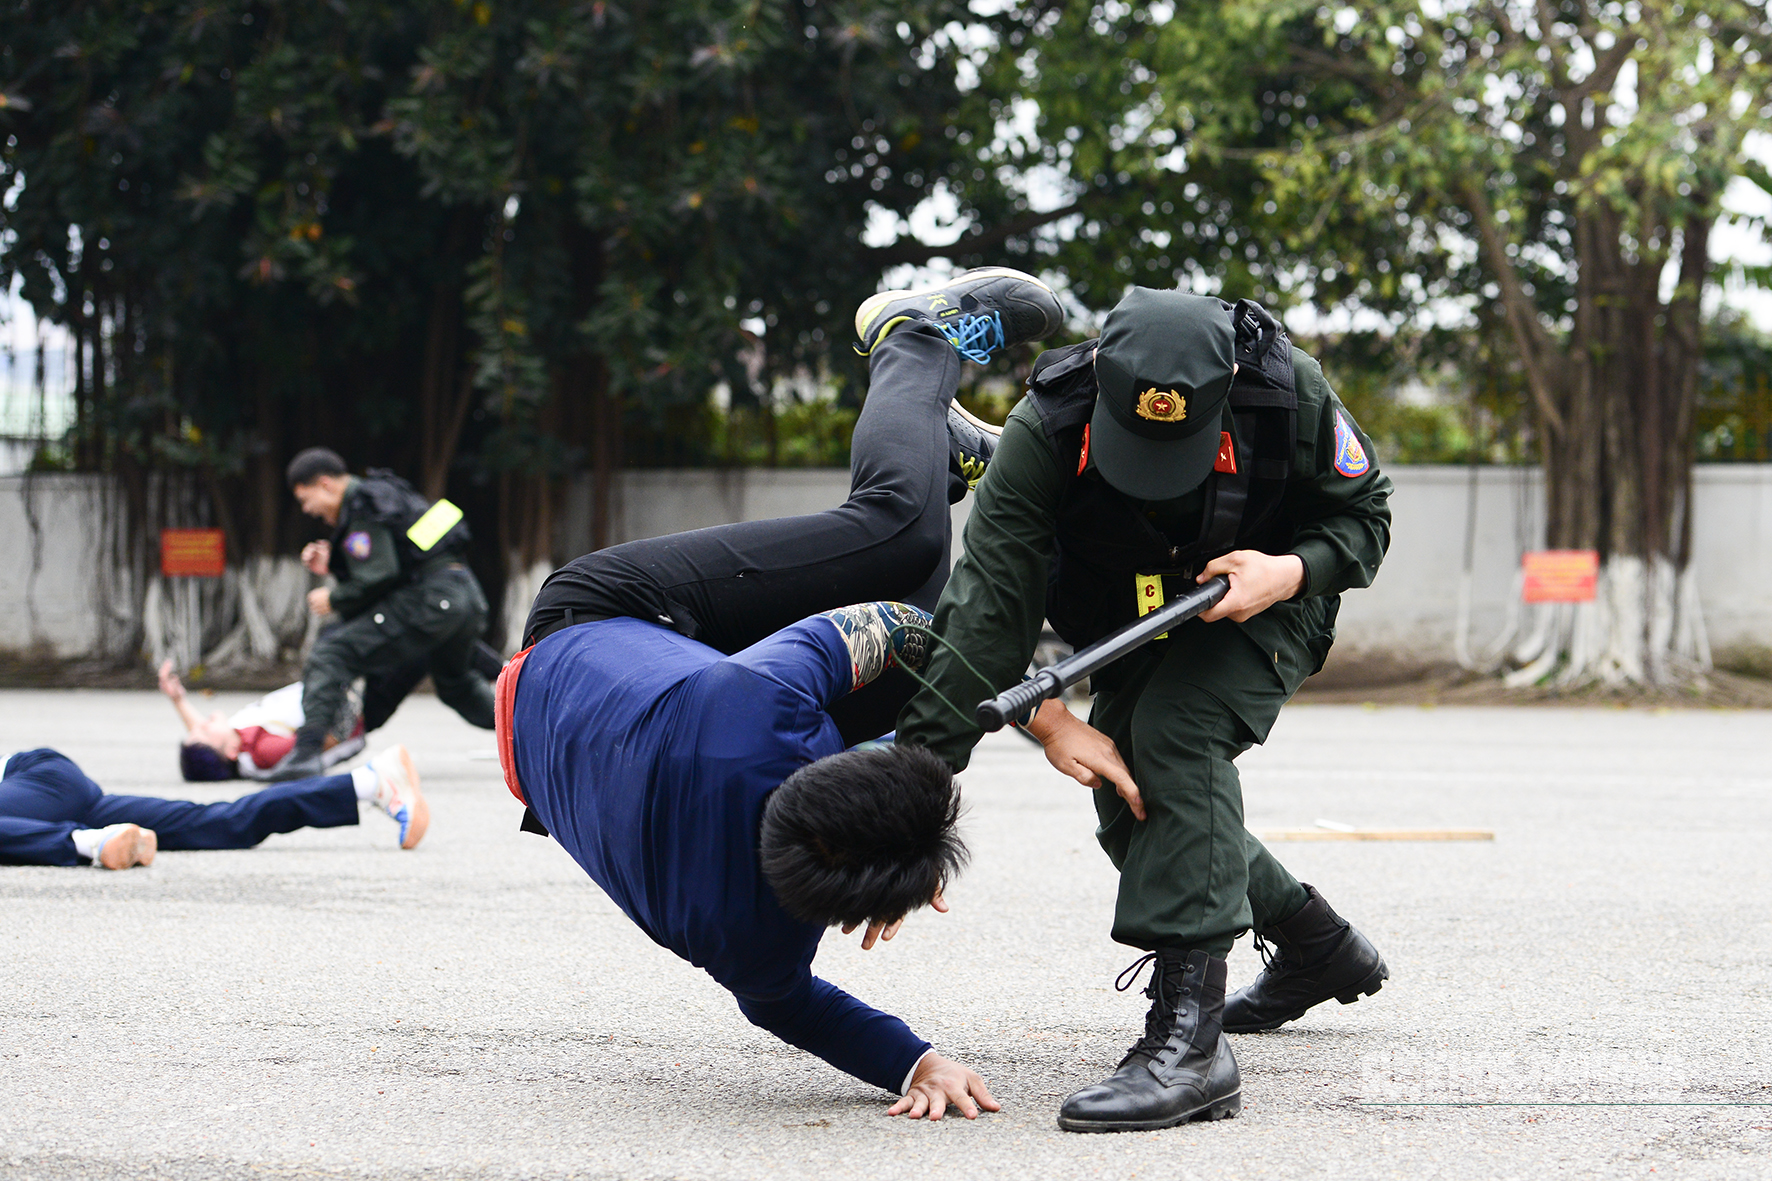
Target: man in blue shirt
(672, 773)
(680, 718)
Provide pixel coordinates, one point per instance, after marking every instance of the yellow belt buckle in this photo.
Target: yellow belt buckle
(1150, 595)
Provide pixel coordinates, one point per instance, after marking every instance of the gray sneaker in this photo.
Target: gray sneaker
(971, 443)
(979, 311)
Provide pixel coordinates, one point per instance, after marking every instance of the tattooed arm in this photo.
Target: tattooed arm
(880, 636)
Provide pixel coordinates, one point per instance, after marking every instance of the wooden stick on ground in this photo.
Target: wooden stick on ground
(1379, 834)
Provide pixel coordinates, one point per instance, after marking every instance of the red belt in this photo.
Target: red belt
(504, 701)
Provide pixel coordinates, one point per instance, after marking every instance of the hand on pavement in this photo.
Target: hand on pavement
(937, 1083)
(1084, 753)
(1258, 581)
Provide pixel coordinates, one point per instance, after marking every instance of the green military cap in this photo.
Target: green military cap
(1163, 369)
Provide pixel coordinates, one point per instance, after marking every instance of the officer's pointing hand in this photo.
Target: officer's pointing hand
(1084, 753)
(1258, 581)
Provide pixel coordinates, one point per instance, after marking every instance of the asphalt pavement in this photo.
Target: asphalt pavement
(1585, 996)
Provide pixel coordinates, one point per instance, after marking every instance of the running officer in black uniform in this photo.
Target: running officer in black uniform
(406, 600)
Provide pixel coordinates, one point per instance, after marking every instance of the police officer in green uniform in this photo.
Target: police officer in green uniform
(1191, 440)
(404, 596)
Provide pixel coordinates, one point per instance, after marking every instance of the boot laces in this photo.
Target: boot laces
(975, 337)
(1274, 956)
(1159, 1021)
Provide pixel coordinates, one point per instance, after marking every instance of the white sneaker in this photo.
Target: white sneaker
(124, 845)
(397, 794)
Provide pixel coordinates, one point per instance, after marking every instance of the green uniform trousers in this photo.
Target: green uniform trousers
(1180, 711)
(437, 620)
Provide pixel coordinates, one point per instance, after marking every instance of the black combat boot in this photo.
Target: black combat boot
(1181, 1068)
(1316, 954)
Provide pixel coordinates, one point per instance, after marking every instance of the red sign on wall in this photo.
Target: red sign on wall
(193, 553)
(1561, 575)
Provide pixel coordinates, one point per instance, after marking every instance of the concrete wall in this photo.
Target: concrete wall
(1732, 547)
(653, 503)
(1412, 607)
(50, 536)
(1409, 612)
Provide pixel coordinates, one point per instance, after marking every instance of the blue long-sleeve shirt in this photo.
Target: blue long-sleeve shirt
(648, 756)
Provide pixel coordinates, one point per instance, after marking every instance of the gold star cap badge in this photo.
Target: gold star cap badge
(1162, 405)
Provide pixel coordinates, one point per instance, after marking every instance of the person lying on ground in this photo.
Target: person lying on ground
(247, 743)
(679, 717)
(51, 813)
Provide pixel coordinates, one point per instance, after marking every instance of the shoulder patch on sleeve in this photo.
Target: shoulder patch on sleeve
(357, 544)
(1350, 457)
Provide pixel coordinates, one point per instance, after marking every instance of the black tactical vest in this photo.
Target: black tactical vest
(1105, 540)
(382, 498)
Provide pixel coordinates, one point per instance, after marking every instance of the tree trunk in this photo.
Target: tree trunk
(445, 390)
(606, 460)
(1618, 474)
(268, 474)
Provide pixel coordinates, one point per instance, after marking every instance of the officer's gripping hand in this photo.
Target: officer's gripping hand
(1084, 753)
(317, 556)
(320, 600)
(1258, 581)
(938, 1082)
(884, 931)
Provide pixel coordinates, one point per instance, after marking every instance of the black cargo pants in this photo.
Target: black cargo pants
(435, 621)
(729, 586)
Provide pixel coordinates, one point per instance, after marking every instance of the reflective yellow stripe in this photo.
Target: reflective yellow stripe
(429, 529)
(1150, 595)
(881, 335)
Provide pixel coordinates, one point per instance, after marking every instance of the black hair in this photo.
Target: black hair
(201, 763)
(863, 836)
(313, 463)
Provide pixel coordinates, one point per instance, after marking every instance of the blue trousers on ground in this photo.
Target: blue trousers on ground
(44, 797)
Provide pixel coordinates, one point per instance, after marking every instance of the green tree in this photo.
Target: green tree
(659, 174)
(465, 240)
(1555, 166)
(197, 195)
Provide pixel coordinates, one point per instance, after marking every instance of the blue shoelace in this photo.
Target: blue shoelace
(975, 337)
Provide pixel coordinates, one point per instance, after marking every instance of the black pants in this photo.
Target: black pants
(44, 797)
(383, 691)
(433, 624)
(731, 585)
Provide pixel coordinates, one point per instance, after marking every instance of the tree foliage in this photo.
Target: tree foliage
(480, 241)
(464, 239)
(1552, 170)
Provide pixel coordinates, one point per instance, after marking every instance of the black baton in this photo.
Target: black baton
(1056, 678)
